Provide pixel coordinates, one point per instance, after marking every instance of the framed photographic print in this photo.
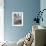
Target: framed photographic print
(17, 18)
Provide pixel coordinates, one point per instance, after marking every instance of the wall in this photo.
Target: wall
(29, 7)
(43, 6)
(1, 20)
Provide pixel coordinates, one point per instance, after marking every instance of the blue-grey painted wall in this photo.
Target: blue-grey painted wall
(43, 6)
(29, 7)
